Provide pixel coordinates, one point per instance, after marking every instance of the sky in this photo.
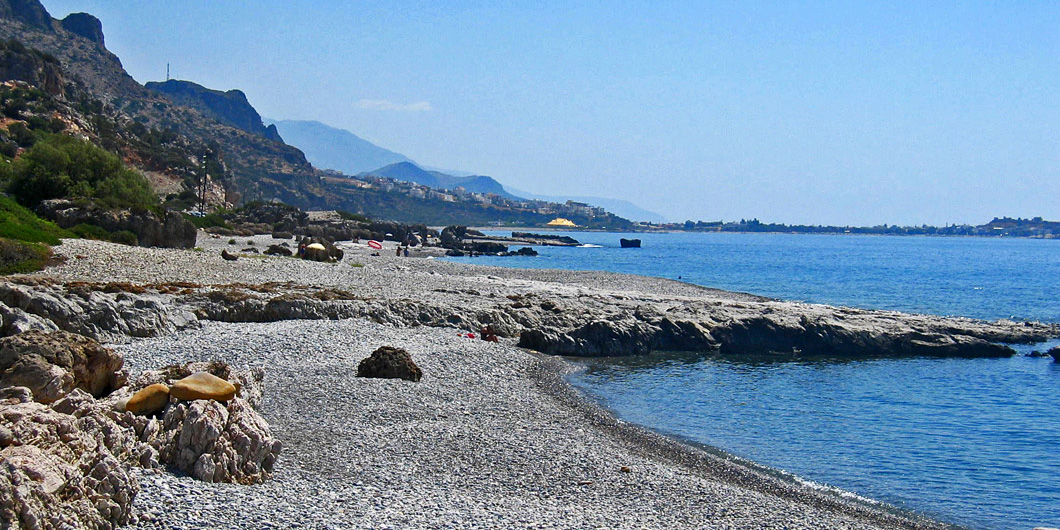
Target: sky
(845, 113)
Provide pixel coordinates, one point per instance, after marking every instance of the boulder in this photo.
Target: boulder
(278, 250)
(320, 249)
(203, 385)
(148, 400)
(217, 442)
(171, 230)
(390, 362)
(51, 365)
(225, 255)
(1055, 353)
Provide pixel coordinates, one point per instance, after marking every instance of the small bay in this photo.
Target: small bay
(970, 441)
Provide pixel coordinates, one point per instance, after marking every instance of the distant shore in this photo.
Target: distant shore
(493, 435)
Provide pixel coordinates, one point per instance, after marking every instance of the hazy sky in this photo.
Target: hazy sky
(828, 113)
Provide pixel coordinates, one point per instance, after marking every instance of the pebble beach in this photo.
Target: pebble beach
(491, 437)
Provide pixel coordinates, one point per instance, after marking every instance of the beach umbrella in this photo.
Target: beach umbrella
(315, 246)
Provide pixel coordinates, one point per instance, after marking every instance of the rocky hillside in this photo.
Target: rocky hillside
(230, 108)
(259, 167)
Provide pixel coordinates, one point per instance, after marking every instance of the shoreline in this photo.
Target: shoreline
(721, 465)
(501, 421)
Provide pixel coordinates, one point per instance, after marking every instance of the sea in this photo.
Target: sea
(974, 442)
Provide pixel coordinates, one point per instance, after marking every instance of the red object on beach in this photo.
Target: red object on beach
(375, 244)
(470, 335)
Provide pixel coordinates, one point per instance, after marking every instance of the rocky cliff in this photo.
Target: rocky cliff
(230, 108)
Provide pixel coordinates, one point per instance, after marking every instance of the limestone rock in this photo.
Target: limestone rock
(149, 400)
(65, 471)
(53, 364)
(218, 442)
(203, 385)
(93, 313)
(390, 362)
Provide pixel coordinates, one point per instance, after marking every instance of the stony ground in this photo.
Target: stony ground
(490, 438)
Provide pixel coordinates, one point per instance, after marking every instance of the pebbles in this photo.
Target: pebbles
(467, 446)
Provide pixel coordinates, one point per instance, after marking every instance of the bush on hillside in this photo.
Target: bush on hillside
(90, 231)
(62, 166)
(124, 237)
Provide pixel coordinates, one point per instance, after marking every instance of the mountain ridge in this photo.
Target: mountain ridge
(333, 148)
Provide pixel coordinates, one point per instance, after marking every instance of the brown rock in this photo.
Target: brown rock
(202, 385)
(390, 362)
(149, 400)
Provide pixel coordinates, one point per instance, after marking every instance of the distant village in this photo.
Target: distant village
(564, 210)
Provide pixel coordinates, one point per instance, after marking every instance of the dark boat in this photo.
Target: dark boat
(629, 243)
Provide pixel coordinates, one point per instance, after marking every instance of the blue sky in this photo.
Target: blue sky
(842, 113)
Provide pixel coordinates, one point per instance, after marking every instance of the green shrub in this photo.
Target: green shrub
(352, 216)
(124, 237)
(61, 166)
(90, 231)
(22, 257)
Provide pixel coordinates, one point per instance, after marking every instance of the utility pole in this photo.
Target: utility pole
(202, 185)
(167, 71)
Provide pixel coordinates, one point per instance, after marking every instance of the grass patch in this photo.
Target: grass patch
(21, 257)
(16, 222)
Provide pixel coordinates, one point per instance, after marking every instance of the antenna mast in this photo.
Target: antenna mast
(167, 71)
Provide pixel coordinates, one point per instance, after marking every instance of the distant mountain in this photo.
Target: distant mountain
(410, 172)
(618, 207)
(406, 171)
(332, 148)
(230, 108)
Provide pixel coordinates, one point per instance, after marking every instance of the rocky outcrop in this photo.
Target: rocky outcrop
(29, 12)
(101, 312)
(218, 442)
(557, 322)
(391, 363)
(171, 230)
(65, 469)
(319, 249)
(211, 440)
(18, 63)
(84, 25)
(230, 108)
(1055, 353)
(52, 365)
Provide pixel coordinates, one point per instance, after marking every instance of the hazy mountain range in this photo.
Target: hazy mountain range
(341, 150)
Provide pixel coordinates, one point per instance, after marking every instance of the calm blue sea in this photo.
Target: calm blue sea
(974, 442)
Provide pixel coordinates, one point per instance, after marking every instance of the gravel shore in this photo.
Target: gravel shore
(490, 438)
